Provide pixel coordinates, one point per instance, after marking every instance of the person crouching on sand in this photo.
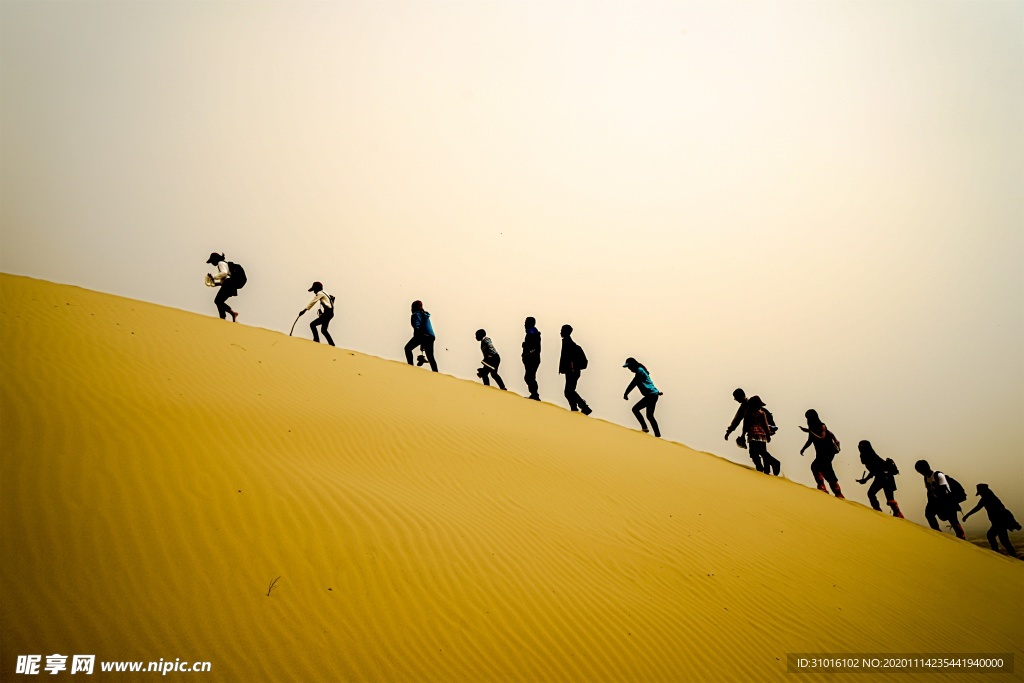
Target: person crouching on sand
(1002, 519)
(422, 335)
(490, 362)
(650, 393)
(324, 315)
(884, 473)
(826, 446)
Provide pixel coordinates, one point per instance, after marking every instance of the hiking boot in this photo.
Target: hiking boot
(586, 410)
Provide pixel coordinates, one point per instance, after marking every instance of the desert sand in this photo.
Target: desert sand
(160, 469)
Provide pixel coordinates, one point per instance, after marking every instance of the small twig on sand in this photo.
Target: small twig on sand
(272, 584)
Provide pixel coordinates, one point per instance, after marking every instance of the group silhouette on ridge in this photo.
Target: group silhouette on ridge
(757, 424)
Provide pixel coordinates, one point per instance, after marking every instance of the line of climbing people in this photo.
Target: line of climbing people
(757, 424)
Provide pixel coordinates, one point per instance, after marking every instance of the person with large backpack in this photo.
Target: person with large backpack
(741, 418)
(884, 474)
(758, 429)
(229, 279)
(944, 497)
(531, 357)
(422, 335)
(571, 363)
(324, 315)
(826, 446)
(1002, 519)
(491, 361)
(642, 381)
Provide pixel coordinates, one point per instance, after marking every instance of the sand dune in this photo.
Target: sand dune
(160, 469)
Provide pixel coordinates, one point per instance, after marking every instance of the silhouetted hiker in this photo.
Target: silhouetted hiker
(324, 315)
(230, 278)
(422, 335)
(884, 473)
(944, 497)
(571, 362)
(741, 441)
(826, 445)
(758, 430)
(531, 357)
(1002, 519)
(642, 381)
(490, 362)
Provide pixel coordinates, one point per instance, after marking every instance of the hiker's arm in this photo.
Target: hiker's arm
(222, 272)
(866, 478)
(632, 385)
(735, 422)
(976, 508)
(810, 438)
(312, 303)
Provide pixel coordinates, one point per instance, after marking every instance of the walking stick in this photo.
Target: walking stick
(293, 324)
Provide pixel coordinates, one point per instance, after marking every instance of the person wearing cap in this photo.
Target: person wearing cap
(531, 357)
(1002, 519)
(571, 363)
(650, 393)
(422, 335)
(491, 361)
(227, 289)
(324, 315)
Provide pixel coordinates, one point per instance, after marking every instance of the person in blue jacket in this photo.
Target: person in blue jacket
(422, 335)
(642, 381)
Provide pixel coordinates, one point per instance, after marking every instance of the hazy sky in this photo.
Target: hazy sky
(820, 202)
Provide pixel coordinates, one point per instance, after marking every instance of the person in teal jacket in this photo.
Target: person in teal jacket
(422, 335)
(642, 381)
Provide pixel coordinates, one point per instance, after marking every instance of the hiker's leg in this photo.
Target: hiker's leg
(312, 328)
(483, 373)
(930, 515)
(1004, 536)
(818, 476)
(413, 343)
(531, 377)
(640, 405)
(223, 292)
(771, 463)
(992, 535)
(428, 351)
(571, 396)
(494, 373)
(758, 450)
(873, 490)
(650, 414)
(327, 317)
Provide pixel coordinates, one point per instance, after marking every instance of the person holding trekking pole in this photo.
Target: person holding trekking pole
(422, 335)
(642, 381)
(230, 277)
(324, 315)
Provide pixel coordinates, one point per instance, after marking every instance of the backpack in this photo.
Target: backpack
(771, 422)
(581, 358)
(890, 467)
(834, 441)
(237, 274)
(956, 490)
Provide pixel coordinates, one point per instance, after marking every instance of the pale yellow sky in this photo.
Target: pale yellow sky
(817, 201)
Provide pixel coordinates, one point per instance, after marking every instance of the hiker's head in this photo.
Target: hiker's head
(566, 330)
(812, 418)
(923, 467)
(215, 258)
(530, 322)
(480, 334)
(632, 364)
(739, 395)
(755, 402)
(982, 489)
(865, 447)
(417, 306)
(317, 287)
